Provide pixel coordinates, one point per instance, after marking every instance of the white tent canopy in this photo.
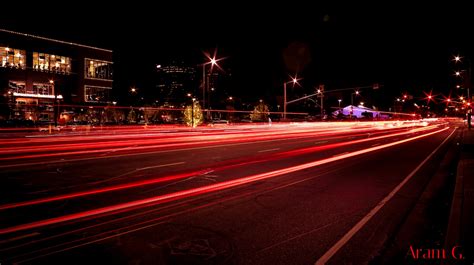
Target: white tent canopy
(357, 111)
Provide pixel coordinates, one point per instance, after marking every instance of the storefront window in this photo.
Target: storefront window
(43, 89)
(17, 86)
(97, 94)
(14, 58)
(96, 69)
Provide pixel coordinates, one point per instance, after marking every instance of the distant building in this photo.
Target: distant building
(173, 82)
(218, 84)
(37, 72)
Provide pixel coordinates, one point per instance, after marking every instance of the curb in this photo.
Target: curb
(453, 233)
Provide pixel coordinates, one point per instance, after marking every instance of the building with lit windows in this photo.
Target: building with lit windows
(38, 73)
(173, 82)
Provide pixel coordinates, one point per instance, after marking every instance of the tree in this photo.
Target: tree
(193, 114)
(132, 116)
(260, 112)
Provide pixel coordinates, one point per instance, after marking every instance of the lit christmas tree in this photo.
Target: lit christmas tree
(193, 114)
(260, 112)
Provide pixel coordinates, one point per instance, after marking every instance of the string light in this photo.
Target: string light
(53, 40)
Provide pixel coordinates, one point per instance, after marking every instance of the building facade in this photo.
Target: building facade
(42, 77)
(173, 82)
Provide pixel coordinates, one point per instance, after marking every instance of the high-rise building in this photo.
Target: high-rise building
(173, 82)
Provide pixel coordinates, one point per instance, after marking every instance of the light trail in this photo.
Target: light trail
(193, 141)
(226, 166)
(203, 190)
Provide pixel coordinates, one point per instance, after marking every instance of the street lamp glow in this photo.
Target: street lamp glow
(457, 58)
(457, 73)
(319, 91)
(133, 89)
(51, 81)
(339, 100)
(461, 98)
(362, 103)
(230, 98)
(213, 61)
(189, 94)
(458, 86)
(294, 80)
(398, 99)
(357, 92)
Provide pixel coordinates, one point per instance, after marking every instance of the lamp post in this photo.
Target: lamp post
(352, 98)
(192, 113)
(294, 81)
(205, 85)
(339, 100)
(56, 112)
(458, 59)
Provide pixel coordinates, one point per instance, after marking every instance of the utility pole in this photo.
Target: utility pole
(321, 90)
(284, 101)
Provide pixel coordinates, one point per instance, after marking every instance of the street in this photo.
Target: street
(289, 193)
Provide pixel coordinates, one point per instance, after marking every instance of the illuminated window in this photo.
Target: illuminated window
(14, 58)
(17, 86)
(51, 62)
(97, 94)
(96, 69)
(43, 89)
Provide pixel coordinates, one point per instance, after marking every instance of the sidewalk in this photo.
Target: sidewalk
(461, 220)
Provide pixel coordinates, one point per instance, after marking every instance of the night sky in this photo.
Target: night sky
(404, 48)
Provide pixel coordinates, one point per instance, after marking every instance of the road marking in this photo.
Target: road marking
(376, 144)
(339, 244)
(321, 142)
(136, 170)
(158, 166)
(269, 150)
(18, 238)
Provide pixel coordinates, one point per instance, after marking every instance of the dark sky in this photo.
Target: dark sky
(405, 48)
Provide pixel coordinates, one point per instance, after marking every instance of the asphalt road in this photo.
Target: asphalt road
(281, 194)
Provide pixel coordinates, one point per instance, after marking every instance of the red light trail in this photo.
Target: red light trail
(205, 189)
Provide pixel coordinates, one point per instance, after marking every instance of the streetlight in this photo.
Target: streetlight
(205, 86)
(339, 100)
(192, 113)
(56, 101)
(361, 103)
(293, 80)
(459, 59)
(352, 98)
